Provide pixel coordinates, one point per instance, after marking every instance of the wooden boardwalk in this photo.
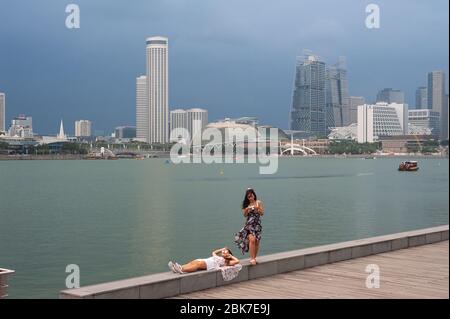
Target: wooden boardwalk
(419, 272)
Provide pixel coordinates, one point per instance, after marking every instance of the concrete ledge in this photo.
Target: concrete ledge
(168, 284)
(290, 264)
(4, 274)
(266, 266)
(198, 281)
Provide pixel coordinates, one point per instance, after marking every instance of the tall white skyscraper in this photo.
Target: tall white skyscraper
(197, 117)
(2, 112)
(83, 128)
(158, 89)
(142, 108)
(178, 125)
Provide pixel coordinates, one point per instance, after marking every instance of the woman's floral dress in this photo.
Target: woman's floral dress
(251, 227)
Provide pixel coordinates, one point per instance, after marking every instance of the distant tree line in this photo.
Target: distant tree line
(352, 147)
(430, 146)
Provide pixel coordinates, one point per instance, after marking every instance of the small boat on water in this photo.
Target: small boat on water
(408, 166)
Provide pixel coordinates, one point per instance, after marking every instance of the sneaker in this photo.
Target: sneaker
(178, 268)
(172, 267)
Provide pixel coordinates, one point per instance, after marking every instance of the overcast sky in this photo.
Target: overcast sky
(232, 57)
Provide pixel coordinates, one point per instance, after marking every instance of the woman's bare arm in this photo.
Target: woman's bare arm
(233, 261)
(216, 252)
(260, 207)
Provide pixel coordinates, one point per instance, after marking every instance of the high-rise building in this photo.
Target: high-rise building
(125, 132)
(83, 128)
(142, 108)
(158, 89)
(437, 98)
(337, 102)
(308, 111)
(436, 90)
(178, 125)
(21, 126)
(354, 102)
(425, 118)
(197, 119)
(390, 95)
(381, 119)
(2, 112)
(422, 97)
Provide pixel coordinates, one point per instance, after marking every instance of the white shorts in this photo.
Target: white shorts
(210, 264)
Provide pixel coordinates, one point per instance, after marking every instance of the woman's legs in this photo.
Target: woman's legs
(194, 265)
(257, 248)
(252, 247)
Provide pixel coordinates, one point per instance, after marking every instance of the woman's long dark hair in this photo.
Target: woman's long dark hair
(227, 260)
(246, 201)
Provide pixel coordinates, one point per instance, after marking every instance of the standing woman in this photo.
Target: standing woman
(249, 236)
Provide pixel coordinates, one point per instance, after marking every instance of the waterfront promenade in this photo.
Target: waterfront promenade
(411, 264)
(418, 272)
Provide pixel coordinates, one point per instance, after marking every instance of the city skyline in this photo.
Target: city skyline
(84, 65)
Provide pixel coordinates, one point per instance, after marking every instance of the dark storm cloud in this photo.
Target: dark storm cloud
(233, 58)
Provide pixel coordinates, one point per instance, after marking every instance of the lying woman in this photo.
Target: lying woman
(220, 258)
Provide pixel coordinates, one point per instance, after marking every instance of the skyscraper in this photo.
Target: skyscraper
(2, 112)
(178, 125)
(83, 128)
(422, 97)
(309, 97)
(436, 90)
(197, 121)
(390, 95)
(354, 102)
(337, 102)
(437, 98)
(158, 89)
(142, 108)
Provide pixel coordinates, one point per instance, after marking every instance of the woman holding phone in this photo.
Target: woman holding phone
(249, 236)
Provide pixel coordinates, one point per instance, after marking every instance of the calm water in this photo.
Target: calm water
(119, 219)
